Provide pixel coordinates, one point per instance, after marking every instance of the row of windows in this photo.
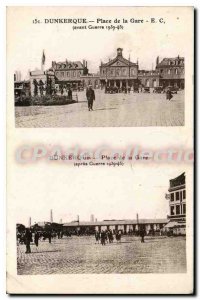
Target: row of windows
(176, 62)
(63, 74)
(172, 71)
(178, 209)
(118, 72)
(180, 195)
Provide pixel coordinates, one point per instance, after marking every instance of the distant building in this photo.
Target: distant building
(172, 71)
(177, 205)
(22, 88)
(90, 79)
(68, 73)
(17, 76)
(149, 78)
(119, 72)
(126, 226)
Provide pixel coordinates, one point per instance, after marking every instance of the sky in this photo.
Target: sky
(107, 193)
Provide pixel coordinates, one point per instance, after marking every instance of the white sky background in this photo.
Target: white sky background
(60, 42)
(108, 193)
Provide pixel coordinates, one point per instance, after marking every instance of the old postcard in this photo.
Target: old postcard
(100, 150)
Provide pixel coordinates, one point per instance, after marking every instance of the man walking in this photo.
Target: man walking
(90, 97)
(28, 240)
(142, 234)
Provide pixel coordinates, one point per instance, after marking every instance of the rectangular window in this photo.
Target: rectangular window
(177, 195)
(172, 210)
(184, 208)
(172, 196)
(184, 194)
(177, 209)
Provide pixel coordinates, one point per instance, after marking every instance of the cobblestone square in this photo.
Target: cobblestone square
(78, 255)
(110, 110)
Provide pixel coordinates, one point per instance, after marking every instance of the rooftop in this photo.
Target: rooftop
(117, 222)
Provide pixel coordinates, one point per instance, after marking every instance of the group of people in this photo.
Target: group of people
(107, 236)
(66, 92)
(29, 237)
(115, 89)
(90, 94)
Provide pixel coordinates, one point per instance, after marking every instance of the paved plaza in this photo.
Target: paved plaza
(110, 110)
(81, 255)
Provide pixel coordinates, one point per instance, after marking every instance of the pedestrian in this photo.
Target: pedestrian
(61, 91)
(103, 238)
(36, 238)
(168, 94)
(70, 94)
(28, 240)
(90, 97)
(142, 234)
(49, 237)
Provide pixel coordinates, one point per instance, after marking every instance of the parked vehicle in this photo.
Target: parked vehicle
(158, 90)
(172, 89)
(146, 89)
(136, 89)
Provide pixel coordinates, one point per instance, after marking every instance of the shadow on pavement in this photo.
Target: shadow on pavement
(45, 251)
(104, 109)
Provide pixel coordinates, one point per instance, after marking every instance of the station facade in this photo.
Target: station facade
(125, 226)
(119, 72)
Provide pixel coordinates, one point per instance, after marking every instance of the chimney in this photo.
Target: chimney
(137, 217)
(95, 219)
(30, 222)
(86, 63)
(51, 216)
(92, 218)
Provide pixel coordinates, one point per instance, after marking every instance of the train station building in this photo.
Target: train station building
(125, 226)
(119, 72)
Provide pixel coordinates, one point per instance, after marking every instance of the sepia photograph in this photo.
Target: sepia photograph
(138, 245)
(100, 150)
(101, 75)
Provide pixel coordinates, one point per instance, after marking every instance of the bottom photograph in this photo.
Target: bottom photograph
(115, 245)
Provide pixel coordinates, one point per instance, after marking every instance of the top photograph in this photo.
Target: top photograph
(108, 71)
